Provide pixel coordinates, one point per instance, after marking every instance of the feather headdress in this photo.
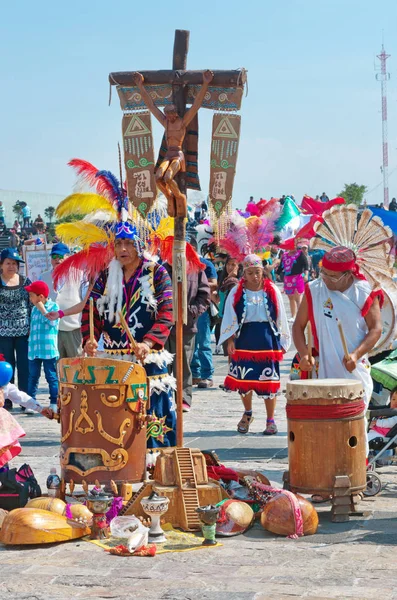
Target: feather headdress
(162, 241)
(247, 236)
(364, 234)
(106, 218)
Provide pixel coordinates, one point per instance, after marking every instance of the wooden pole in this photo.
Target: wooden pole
(181, 47)
(91, 320)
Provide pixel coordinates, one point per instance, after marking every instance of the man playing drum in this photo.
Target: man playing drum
(141, 290)
(340, 294)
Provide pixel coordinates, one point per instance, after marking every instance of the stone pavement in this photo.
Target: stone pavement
(349, 560)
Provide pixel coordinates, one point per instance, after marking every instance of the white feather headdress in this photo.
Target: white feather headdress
(363, 233)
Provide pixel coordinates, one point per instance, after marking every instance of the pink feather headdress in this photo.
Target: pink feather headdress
(248, 236)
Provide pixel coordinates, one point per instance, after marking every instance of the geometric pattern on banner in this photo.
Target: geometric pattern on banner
(216, 98)
(131, 98)
(224, 149)
(139, 161)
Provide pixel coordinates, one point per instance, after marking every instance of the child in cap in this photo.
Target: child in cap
(43, 341)
(10, 429)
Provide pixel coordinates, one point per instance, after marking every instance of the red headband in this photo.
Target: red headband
(338, 266)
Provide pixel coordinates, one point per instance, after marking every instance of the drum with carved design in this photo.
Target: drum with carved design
(326, 435)
(102, 405)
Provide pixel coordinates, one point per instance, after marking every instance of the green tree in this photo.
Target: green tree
(353, 193)
(17, 210)
(49, 213)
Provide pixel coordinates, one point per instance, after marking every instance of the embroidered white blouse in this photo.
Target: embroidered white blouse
(256, 311)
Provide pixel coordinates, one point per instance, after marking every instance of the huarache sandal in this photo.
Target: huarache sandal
(244, 423)
(271, 428)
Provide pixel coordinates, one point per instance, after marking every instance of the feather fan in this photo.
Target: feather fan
(113, 186)
(376, 233)
(82, 233)
(252, 209)
(84, 204)
(96, 179)
(260, 232)
(322, 230)
(365, 218)
(236, 241)
(91, 261)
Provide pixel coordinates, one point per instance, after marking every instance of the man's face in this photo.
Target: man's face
(334, 280)
(125, 252)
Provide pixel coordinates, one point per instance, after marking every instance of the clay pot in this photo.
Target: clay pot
(34, 526)
(277, 516)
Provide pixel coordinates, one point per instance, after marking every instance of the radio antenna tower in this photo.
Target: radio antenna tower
(383, 77)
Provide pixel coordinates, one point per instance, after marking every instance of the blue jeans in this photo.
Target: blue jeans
(15, 351)
(202, 365)
(50, 371)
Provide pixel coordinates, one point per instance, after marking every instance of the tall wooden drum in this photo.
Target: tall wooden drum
(103, 420)
(326, 436)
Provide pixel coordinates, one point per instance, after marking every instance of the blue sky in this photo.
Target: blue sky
(310, 123)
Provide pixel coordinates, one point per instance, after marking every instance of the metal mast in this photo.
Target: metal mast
(383, 77)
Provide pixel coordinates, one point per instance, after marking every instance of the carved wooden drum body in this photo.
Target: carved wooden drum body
(103, 420)
(326, 434)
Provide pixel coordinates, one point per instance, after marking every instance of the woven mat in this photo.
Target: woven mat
(177, 541)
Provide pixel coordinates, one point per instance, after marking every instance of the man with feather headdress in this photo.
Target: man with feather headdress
(127, 281)
(355, 267)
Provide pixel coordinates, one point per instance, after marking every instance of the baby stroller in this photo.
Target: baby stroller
(378, 448)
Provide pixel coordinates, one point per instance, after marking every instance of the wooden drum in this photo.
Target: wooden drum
(102, 405)
(326, 436)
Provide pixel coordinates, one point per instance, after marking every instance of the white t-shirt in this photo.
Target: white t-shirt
(67, 295)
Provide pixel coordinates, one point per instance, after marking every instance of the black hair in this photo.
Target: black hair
(224, 273)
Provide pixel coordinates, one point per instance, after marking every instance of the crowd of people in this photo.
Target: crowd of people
(238, 297)
(24, 229)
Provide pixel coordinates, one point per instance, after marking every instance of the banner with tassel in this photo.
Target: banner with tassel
(139, 160)
(224, 150)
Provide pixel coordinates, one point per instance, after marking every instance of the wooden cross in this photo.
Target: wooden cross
(179, 78)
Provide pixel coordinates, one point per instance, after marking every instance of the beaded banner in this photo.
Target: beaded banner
(139, 160)
(224, 148)
(216, 98)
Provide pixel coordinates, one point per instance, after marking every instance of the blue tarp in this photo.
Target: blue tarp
(388, 218)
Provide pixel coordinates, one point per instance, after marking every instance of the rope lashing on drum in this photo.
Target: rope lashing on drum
(326, 412)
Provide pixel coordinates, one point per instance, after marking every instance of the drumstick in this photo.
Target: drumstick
(92, 320)
(343, 340)
(127, 330)
(310, 346)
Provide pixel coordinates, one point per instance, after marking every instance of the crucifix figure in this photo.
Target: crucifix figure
(175, 131)
(170, 176)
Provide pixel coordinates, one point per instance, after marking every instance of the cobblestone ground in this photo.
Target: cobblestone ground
(349, 560)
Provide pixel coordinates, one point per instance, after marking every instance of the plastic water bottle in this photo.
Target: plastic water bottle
(53, 484)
